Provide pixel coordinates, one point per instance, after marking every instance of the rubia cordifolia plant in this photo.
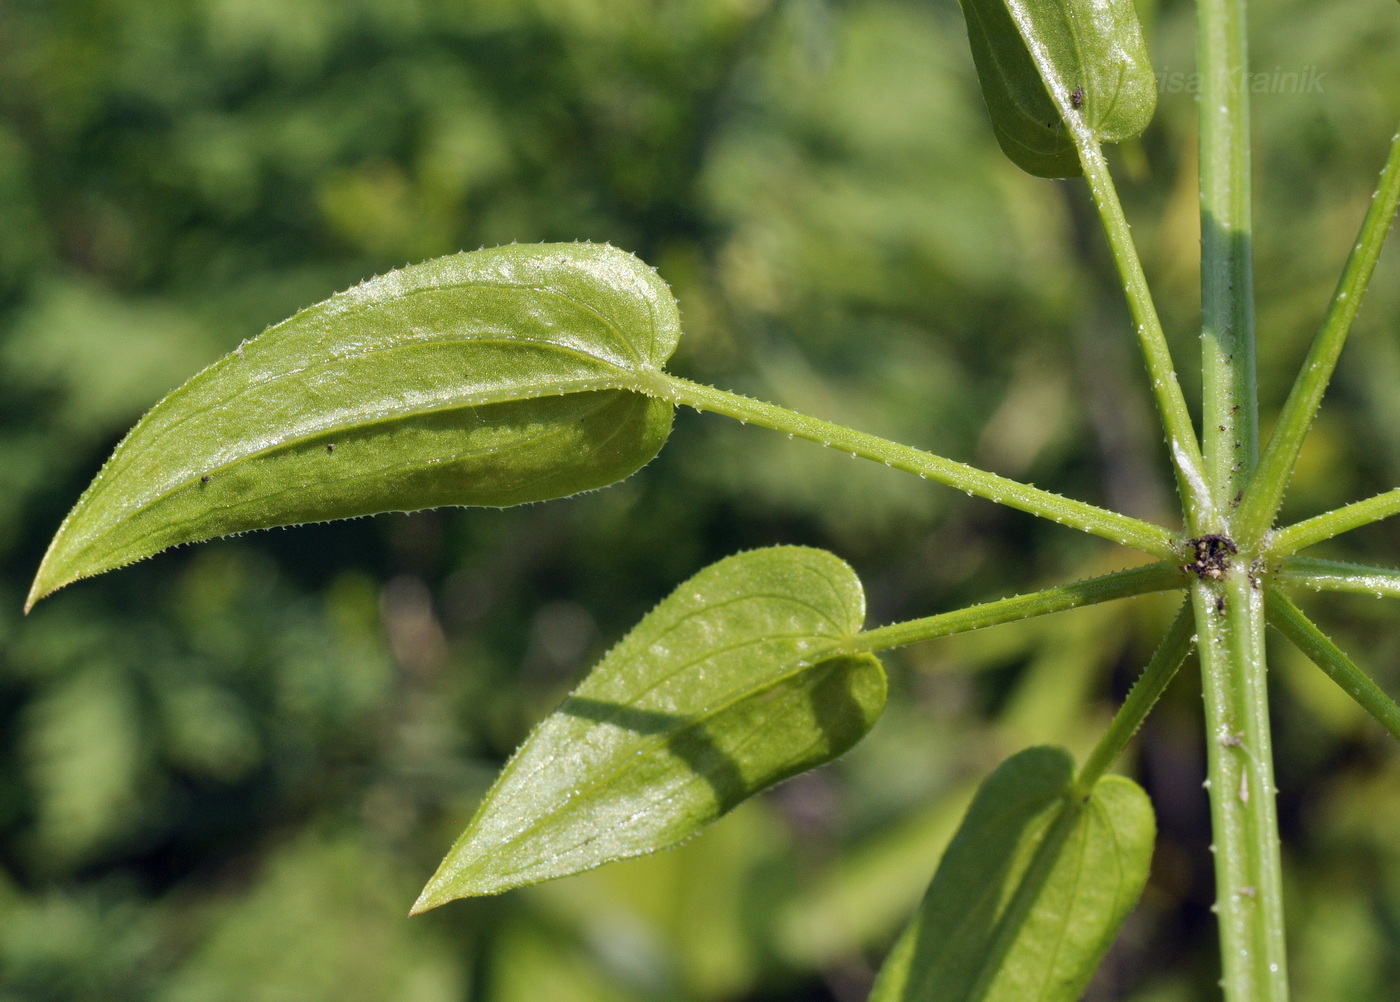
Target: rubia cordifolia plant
(532, 372)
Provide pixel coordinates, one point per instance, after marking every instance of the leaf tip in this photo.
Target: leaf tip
(447, 884)
(426, 902)
(63, 562)
(46, 580)
(438, 891)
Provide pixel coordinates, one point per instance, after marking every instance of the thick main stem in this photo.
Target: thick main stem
(1229, 601)
(1230, 411)
(1240, 770)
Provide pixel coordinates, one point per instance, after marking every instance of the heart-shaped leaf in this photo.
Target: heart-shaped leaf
(1031, 892)
(489, 378)
(734, 682)
(1092, 52)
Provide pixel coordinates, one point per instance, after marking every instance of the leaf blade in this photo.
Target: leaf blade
(1095, 54)
(734, 682)
(495, 377)
(1031, 891)
(1024, 119)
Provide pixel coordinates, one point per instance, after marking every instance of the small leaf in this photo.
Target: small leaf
(1031, 892)
(489, 378)
(734, 682)
(1093, 52)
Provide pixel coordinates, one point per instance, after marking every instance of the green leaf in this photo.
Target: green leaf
(1031, 892)
(489, 378)
(1092, 53)
(734, 682)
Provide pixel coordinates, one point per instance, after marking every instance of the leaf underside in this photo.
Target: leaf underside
(734, 682)
(1031, 892)
(1096, 53)
(490, 378)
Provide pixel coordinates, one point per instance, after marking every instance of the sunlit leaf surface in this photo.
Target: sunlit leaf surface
(489, 378)
(1031, 892)
(732, 683)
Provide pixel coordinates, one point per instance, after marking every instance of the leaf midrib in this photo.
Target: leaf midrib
(129, 511)
(500, 395)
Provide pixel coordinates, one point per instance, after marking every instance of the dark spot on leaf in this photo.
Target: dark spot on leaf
(204, 479)
(1076, 99)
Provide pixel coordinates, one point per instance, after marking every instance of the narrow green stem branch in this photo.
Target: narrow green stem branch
(1265, 493)
(1289, 620)
(1140, 535)
(1166, 389)
(1153, 681)
(1240, 770)
(1091, 591)
(1335, 575)
(1309, 532)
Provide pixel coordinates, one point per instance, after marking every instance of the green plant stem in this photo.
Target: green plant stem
(1166, 389)
(1301, 535)
(1230, 611)
(1289, 620)
(1265, 493)
(1244, 822)
(1230, 409)
(1091, 591)
(1335, 575)
(1140, 535)
(1153, 681)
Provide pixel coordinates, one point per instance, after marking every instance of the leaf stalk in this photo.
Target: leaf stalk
(1091, 591)
(1166, 388)
(1337, 575)
(1265, 494)
(1301, 535)
(1132, 532)
(1289, 620)
(1143, 696)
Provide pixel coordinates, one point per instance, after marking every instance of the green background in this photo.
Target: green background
(226, 773)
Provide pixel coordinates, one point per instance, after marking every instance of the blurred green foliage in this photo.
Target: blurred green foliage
(228, 771)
